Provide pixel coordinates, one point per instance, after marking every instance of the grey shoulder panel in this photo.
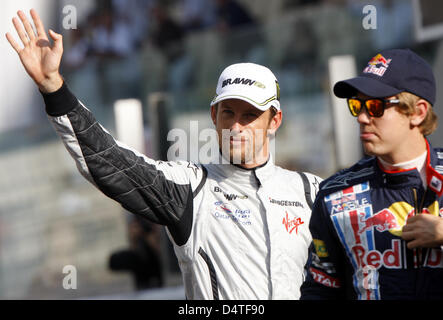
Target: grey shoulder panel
(307, 187)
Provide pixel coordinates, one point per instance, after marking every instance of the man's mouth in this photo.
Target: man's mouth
(366, 135)
(237, 140)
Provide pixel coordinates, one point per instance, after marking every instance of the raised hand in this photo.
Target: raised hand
(40, 59)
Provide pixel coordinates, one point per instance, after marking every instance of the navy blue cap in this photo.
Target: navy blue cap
(389, 73)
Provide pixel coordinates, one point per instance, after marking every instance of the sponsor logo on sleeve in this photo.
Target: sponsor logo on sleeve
(320, 248)
(324, 279)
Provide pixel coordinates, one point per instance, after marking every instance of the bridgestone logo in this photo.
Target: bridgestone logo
(286, 203)
(244, 81)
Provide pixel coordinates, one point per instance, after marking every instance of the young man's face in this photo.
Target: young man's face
(387, 136)
(243, 131)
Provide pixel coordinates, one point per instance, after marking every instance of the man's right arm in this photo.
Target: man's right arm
(160, 191)
(163, 192)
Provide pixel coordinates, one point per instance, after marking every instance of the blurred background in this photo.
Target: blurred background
(168, 54)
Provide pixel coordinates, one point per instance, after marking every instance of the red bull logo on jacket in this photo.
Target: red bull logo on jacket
(390, 258)
(381, 221)
(390, 219)
(358, 226)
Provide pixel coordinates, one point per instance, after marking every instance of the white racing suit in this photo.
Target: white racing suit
(237, 233)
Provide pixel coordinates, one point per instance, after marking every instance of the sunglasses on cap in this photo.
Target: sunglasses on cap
(374, 106)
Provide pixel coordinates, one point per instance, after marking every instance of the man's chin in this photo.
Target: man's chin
(237, 159)
(238, 156)
(369, 148)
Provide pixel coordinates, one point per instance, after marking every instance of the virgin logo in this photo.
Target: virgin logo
(292, 224)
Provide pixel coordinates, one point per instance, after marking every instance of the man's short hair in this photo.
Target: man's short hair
(271, 115)
(407, 107)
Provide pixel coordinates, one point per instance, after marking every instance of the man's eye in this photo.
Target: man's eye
(228, 112)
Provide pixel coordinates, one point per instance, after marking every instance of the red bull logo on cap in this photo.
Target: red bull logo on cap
(379, 59)
(377, 65)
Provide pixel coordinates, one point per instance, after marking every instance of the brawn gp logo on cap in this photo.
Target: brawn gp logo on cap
(243, 81)
(250, 82)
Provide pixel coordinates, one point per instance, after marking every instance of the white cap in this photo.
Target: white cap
(249, 82)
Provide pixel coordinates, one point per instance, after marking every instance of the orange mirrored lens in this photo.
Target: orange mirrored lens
(375, 107)
(354, 106)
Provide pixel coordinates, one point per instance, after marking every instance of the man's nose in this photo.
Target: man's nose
(363, 116)
(236, 125)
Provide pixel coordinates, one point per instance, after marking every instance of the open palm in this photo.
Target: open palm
(40, 59)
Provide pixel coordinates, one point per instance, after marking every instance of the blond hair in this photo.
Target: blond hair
(407, 105)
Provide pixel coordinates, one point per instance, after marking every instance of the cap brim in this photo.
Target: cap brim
(261, 106)
(368, 86)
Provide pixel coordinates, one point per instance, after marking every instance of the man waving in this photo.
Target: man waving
(239, 225)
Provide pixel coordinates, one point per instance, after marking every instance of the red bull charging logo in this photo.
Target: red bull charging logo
(363, 231)
(390, 219)
(379, 59)
(377, 65)
(382, 221)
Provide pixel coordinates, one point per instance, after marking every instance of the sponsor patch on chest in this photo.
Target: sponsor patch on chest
(292, 223)
(227, 212)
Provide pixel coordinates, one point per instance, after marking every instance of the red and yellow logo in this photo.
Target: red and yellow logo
(394, 218)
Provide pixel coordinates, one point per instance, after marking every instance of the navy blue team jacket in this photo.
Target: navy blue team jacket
(356, 225)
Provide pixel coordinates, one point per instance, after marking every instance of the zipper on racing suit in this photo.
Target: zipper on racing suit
(417, 251)
(421, 283)
(418, 209)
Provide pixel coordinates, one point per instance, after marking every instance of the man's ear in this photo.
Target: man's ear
(214, 114)
(421, 109)
(275, 122)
